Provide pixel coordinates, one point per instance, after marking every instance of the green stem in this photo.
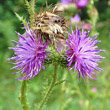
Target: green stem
(62, 91)
(52, 85)
(33, 5)
(22, 96)
(32, 12)
(105, 100)
(88, 94)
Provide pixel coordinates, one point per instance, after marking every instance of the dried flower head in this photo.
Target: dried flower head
(50, 25)
(82, 54)
(30, 54)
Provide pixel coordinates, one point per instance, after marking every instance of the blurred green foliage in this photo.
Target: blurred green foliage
(72, 94)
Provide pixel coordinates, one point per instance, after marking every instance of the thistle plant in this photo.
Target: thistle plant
(47, 41)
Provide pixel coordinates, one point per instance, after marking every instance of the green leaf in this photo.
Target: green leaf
(27, 4)
(31, 7)
(21, 19)
(59, 82)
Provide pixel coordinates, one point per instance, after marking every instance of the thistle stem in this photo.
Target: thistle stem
(62, 92)
(33, 5)
(22, 96)
(32, 11)
(52, 85)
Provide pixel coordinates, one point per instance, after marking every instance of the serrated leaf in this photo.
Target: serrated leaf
(59, 82)
(21, 19)
(27, 4)
(30, 7)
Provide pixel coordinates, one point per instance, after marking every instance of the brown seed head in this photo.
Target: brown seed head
(51, 25)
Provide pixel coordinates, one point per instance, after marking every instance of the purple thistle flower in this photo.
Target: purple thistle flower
(82, 54)
(66, 1)
(30, 54)
(76, 19)
(79, 3)
(87, 26)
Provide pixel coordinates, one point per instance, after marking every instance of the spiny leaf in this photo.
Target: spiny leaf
(32, 3)
(21, 19)
(30, 7)
(59, 82)
(27, 4)
(45, 87)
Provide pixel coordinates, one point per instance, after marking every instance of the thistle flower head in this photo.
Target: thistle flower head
(29, 54)
(66, 1)
(76, 19)
(78, 3)
(50, 25)
(81, 3)
(82, 54)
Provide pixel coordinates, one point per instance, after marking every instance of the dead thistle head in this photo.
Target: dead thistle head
(50, 25)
